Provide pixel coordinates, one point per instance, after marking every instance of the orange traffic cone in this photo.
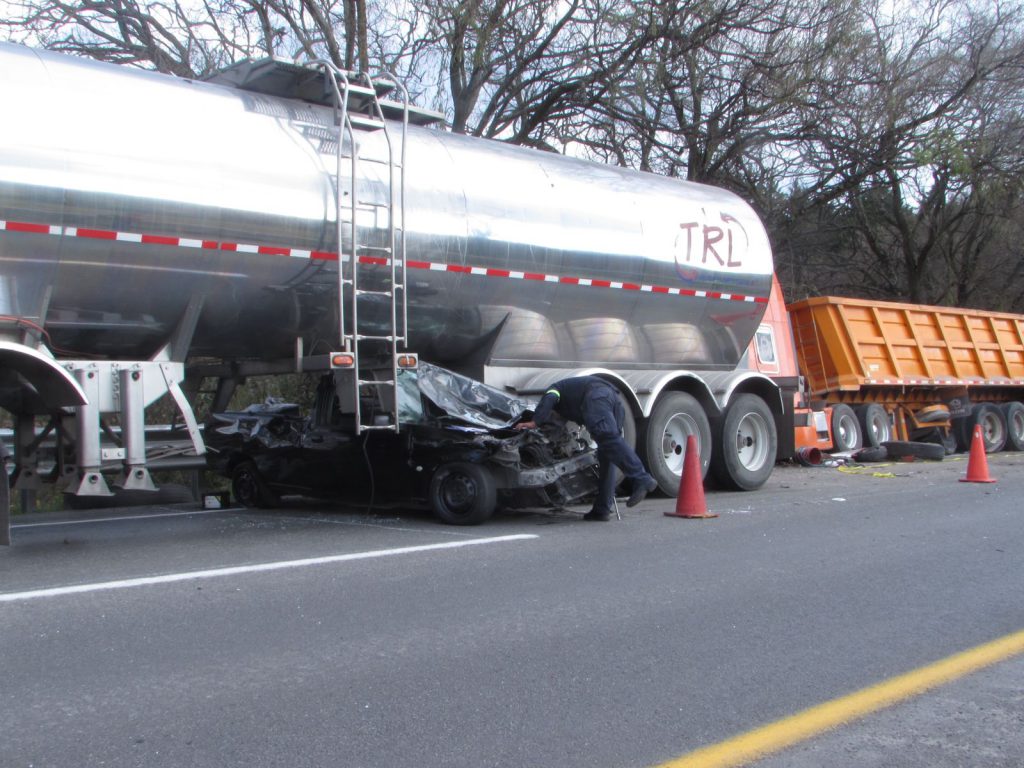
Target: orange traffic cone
(977, 464)
(690, 501)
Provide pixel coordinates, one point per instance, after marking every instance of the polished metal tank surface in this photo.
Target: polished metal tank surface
(126, 196)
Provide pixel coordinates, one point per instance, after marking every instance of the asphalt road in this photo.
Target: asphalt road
(316, 637)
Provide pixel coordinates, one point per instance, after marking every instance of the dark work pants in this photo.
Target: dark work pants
(603, 415)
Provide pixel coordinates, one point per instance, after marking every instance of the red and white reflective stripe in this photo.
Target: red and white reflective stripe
(945, 382)
(299, 253)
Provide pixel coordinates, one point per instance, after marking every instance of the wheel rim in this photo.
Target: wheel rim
(752, 441)
(1016, 425)
(458, 492)
(847, 432)
(673, 441)
(992, 427)
(880, 428)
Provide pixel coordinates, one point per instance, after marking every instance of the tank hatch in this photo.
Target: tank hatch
(285, 79)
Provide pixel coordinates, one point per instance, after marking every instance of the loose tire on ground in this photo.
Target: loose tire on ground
(663, 439)
(1014, 415)
(745, 445)
(462, 493)
(846, 430)
(874, 422)
(871, 453)
(899, 449)
(939, 435)
(249, 488)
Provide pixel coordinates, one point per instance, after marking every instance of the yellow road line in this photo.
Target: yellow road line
(791, 730)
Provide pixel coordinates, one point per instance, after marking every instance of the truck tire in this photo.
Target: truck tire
(962, 427)
(663, 439)
(846, 431)
(462, 493)
(992, 421)
(938, 435)
(1014, 415)
(874, 422)
(250, 489)
(899, 449)
(744, 450)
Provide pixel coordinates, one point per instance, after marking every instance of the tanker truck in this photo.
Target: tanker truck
(158, 232)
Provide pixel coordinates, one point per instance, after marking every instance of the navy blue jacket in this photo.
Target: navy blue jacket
(566, 397)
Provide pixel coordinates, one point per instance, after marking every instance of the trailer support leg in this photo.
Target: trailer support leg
(91, 481)
(134, 476)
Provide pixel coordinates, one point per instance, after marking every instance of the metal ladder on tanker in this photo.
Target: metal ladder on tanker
(369, 377)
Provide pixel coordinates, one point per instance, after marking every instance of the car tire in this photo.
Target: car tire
(250, 489)
(462, 493)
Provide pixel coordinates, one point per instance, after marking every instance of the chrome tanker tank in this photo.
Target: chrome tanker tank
(127, 197)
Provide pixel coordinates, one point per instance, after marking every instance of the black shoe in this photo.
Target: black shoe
(599, 514)
(640, 492)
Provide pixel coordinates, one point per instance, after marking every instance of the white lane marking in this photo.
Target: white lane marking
(123, 517)
(256, 568)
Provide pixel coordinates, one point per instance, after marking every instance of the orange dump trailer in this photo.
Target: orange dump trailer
(914, 372)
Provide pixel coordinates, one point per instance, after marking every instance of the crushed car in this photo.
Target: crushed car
(457, 451)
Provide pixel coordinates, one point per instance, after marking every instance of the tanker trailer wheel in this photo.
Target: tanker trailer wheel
(249, 488)
(874, 422)
(1014, 414)
(743, 455)
(846, 431)
(662, 442)
(462, 493)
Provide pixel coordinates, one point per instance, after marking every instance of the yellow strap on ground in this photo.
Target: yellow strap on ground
(861, 470)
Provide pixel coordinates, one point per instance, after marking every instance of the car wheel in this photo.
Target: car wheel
(249, 488)
(743, 454)
(846, 431)
(462, 493)
(675, 416)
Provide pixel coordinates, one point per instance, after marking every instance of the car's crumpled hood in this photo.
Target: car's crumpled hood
(460, 397)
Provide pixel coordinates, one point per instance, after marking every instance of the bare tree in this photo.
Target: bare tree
(714, 96)
(193, 40)
(900, 145)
